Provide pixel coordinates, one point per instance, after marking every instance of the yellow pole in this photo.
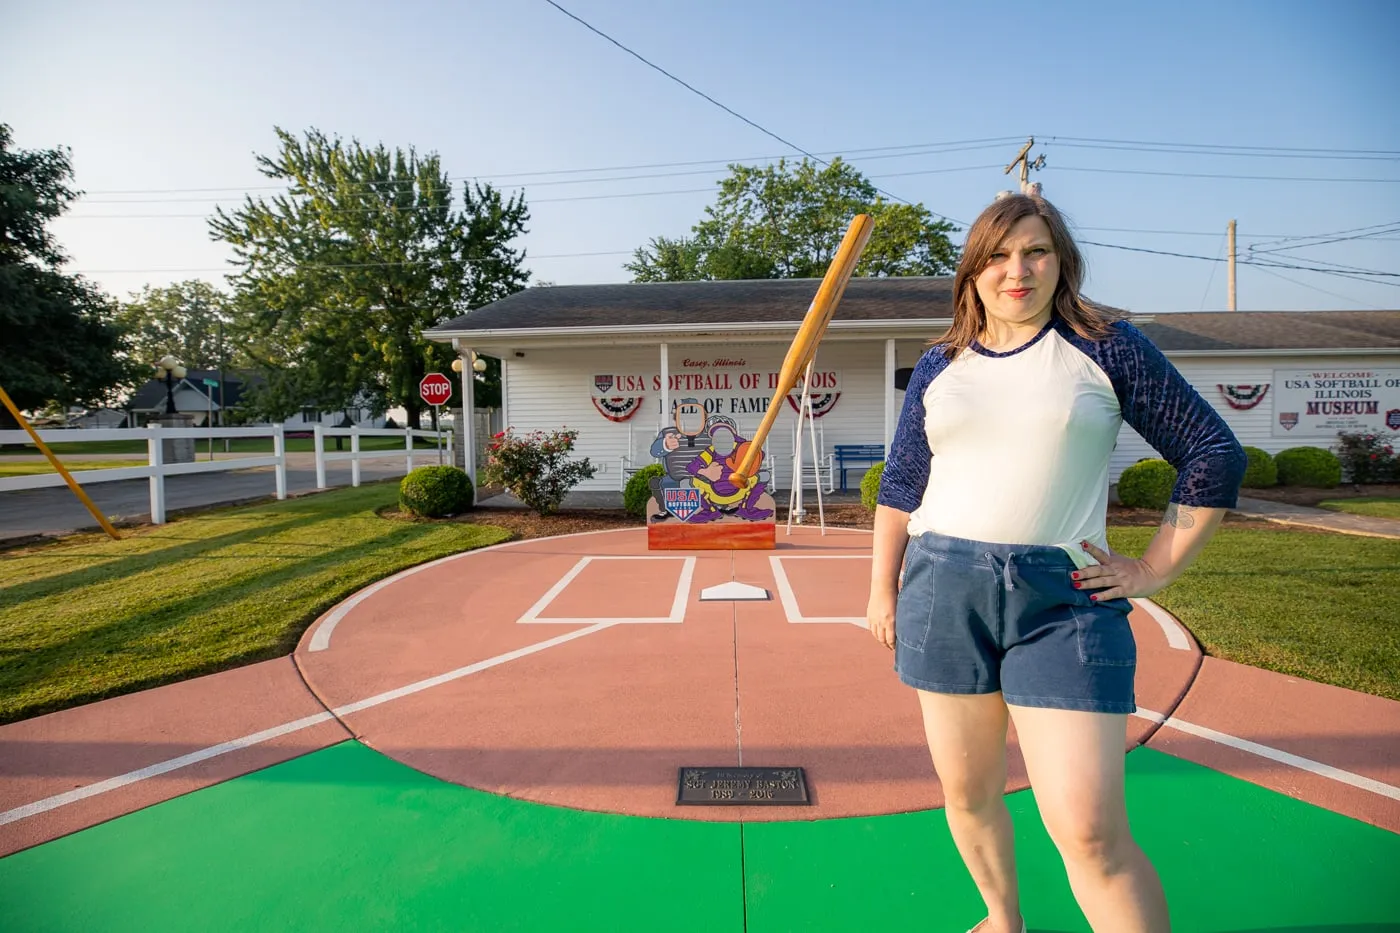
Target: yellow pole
(809, 333)
(68, 477)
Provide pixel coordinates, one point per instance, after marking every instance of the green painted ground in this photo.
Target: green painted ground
(346, 840)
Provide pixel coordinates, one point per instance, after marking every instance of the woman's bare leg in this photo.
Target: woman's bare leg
(967, 739)
(1075, 763)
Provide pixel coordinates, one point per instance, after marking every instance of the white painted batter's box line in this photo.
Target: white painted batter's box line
(531, 615)
(789, 598)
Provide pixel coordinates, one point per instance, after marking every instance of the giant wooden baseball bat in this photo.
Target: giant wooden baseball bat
(809, 334)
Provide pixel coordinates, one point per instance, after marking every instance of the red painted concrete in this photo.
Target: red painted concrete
(1355, 732)
(54, 754)
(605, 721)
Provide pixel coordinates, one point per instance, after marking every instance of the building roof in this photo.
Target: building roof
(1274, 330)
(742, 301)
(898, 300)
(151, 396)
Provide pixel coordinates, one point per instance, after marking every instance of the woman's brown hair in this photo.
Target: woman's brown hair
(1088, 318)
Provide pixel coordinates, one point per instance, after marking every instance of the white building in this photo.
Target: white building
(614, 360)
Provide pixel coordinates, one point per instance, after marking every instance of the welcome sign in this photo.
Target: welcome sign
(1321, 403)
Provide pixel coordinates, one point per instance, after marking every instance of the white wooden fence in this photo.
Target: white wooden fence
(157, 469)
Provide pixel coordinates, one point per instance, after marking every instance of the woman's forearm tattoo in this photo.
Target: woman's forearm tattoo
(1179, 517)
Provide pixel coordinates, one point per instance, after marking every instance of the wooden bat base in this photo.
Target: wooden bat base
(714, 536)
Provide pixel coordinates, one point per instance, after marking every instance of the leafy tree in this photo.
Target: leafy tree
(183, 320)
(61, 344)
(787, 222)
(343, 273)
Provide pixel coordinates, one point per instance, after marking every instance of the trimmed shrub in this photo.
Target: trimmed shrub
(638, 491)
(870, 486)
(1262, 471)
(435, 491)
(1308, 466)
(536, 469)
(1147, 484)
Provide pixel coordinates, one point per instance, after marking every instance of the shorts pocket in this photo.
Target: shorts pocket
(1104, 637)
(913, 615)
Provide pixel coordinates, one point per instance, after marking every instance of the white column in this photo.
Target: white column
(318, 432)
(155, 457)
(663, 420)
(354, 455)
(505, 396)
(468, 427)
(279, 450)
(891, 413)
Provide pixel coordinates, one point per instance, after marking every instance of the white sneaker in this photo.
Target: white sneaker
(979, 926)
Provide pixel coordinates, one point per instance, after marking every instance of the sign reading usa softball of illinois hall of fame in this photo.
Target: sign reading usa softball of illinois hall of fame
(1315, 403)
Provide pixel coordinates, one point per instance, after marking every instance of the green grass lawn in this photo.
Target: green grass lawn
(89, 617)
(33, 467)
(1376, 506)
(1319, 606)
(236, 445)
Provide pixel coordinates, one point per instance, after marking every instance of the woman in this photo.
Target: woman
(992, 579)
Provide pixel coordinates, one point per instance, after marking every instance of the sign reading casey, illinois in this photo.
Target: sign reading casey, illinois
(1320, 403)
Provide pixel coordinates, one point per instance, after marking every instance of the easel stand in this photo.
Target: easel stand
(804, 411)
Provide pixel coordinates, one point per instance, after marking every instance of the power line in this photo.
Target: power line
(889, 152)
(894, 152)
(357, 265)
(345, 211)
(728, 110)
(1212, 148)
(1357, 275)
(1249, 155)
(578, 181)
(1319, 290)
(1134, 171)
(1338, 236)
(1210, 281)
(694, 90)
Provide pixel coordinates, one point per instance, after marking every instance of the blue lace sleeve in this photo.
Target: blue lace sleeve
(1171, 416)
(905, 476)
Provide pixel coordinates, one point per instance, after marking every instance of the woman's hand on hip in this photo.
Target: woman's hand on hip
(879, 614)
(1116, 576)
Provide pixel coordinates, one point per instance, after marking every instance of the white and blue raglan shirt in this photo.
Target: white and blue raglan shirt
(1014, 447)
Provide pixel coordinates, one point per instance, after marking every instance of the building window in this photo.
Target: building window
(310, 415)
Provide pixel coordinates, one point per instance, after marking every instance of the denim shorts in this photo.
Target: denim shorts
(974, 617)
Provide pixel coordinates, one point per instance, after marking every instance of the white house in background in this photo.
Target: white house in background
(194, 396)
(98, 418)
(614, 360)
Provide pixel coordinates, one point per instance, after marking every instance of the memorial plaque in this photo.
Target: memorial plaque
(748, 787)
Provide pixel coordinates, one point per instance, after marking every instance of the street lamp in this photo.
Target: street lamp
(168, 369)
(478, 364)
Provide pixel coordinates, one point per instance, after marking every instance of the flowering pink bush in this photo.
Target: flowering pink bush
(1368, 458)
(536, 468)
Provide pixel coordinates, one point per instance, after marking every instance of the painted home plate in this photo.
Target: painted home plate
(588, 672)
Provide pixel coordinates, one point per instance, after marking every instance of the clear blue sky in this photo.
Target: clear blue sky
(162, 96)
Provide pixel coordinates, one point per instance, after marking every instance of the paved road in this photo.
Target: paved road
(56, 511)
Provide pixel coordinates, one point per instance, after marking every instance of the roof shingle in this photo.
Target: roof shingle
(912, 298)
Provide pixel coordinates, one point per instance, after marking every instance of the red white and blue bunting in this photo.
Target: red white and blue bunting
(1243, 397)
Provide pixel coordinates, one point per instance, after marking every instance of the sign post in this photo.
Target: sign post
(436, 389)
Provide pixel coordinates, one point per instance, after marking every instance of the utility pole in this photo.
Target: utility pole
(1026, 163)
(1232, 265)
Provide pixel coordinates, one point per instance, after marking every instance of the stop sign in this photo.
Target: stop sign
(435, 388)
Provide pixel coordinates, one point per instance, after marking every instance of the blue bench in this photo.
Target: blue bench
(848, 454)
